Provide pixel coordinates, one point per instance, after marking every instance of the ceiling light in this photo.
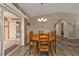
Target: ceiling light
(45, 20)
(42, 19)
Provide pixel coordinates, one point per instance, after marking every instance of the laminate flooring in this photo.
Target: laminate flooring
(63, 48)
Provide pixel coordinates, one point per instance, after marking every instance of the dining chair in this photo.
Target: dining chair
(53, 41)
(32, 44)
(43, 44)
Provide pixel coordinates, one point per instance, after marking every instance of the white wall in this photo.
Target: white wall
(58, 29)
(52, 19)
(48, 26)
(66, 30)
(77, 27)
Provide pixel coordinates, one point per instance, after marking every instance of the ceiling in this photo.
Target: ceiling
(34, 9)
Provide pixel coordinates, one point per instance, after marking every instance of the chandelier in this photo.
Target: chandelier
(42, 19)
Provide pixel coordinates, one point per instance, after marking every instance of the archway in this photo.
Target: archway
(61, 29)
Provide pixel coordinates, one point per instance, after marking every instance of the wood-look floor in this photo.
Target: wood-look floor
(63, 48)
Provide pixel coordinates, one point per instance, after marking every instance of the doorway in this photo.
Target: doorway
(62, 29)
(12, 31)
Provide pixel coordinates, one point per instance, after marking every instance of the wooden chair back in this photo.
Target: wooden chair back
(53, 41)
(43, 43)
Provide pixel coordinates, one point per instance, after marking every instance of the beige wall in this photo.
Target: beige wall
(12, 30)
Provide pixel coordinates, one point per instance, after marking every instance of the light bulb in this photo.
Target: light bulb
(39, 20)
(45, 20)
(42, 19)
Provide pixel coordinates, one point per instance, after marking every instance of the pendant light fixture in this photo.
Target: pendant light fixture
(42, 19)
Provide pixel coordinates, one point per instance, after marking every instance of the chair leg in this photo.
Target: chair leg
(55, 46)
(30, 50)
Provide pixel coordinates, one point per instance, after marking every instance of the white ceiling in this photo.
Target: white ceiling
(34, 9)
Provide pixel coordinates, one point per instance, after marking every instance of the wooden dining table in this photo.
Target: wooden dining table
(36, 37)
(36, 42)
